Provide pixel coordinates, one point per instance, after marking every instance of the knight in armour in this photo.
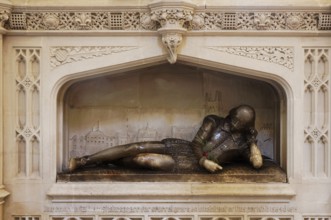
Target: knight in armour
(218, 141)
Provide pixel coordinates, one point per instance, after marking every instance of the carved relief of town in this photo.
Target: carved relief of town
(162, 103)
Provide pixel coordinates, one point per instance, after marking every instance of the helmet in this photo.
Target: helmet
(242, 118)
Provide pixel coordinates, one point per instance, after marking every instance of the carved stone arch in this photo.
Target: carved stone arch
(277, 82)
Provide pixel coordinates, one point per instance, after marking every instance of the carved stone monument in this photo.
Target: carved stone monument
(79, 77)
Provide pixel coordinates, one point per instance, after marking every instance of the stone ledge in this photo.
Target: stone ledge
(175, 192)
(3, 193)
(270, 172)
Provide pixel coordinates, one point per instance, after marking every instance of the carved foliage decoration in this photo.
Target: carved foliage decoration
(27, 70)
(145, 20)
(279, 55)
(317, 112)
(172, 17)
(262, 21)
(68, 54)
(173, 22)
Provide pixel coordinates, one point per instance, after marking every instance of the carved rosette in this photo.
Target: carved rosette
(294, 21)
(173, 19)
(51, 21)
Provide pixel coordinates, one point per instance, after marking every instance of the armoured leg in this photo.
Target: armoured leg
(118, 152)
(151, 161)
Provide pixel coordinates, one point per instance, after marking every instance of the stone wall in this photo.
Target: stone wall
(48, 48)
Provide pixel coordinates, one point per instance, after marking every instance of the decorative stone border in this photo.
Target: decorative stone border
(172, 20)
(280, 55)
(151, 21)
(62, 55)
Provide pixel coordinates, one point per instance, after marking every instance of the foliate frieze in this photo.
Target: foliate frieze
(155, 19)
(279, 55)
(172, 17)
(69, 54)
(262, 21)
(301, 21)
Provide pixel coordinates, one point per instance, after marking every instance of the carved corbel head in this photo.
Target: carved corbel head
(4, 16)
(5, 11)
(173, 17)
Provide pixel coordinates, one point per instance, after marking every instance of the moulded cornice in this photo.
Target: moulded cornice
(172, 3)
(175, 191)
(5, 3)
(171, 19)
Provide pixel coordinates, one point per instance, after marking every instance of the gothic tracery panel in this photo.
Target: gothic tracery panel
(72, 218)
(28, 111)
(317, 218)
(222, 218)
(317, 110)
(271, 218)
(27, 217)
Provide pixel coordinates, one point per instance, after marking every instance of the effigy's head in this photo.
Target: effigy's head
(242, 118)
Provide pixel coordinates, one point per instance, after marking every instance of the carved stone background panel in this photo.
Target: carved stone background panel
(317, 112)
(157, 103)
(283, 56)
(27, 70)
(69, 54)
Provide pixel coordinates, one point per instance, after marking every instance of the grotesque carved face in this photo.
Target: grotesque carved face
(242, 118)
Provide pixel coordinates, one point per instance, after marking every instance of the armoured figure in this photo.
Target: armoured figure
(219, 140)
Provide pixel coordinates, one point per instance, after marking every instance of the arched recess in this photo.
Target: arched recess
(283, 108)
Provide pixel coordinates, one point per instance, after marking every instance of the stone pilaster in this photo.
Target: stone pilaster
(4, 16)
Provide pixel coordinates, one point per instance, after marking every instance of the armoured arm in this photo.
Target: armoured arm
(203, 135)
(209, 124)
